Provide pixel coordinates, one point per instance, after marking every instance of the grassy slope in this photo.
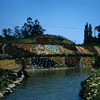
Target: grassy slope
(52, 38)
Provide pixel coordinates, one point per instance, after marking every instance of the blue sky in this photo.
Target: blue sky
(59, 17)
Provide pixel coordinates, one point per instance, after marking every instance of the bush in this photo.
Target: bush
(97, 62)
(6, 77)
(91, 86)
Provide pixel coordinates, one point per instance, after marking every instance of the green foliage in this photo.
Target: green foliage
(29, 29)
(37, 29)
(86, 33)
(3, 83)
(88, 39)
(10, 39)
(97, 62)
(56, 39)
(91, 86)
(53, 39)
(16, 52)
(97, 28)
(6, 77)
(28, 34)
(4, 56)
(6, 32)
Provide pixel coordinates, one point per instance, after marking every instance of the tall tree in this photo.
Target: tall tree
(99, 38)
(37, 28)
(4, 32)
(29, 20)
(30, 25)
(27, 28)
(17, 32)
(90, 34)
(98, 29)
(24, 30)
(86, 35)
(9, 31)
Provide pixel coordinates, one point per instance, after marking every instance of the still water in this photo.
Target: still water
(50, 85)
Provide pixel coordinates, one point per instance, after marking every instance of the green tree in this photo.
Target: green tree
(27, 28)
(9, 31)
(24, 30)
(4, 32)
(30, 25)
(86, 36)
(98, 29)
(37, 29)
(97, 62)
(17, 32)
(90, 34)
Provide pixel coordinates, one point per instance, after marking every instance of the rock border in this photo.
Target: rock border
(11, 87)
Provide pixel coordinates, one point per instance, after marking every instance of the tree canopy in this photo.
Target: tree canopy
(88, 38)
(29, 29)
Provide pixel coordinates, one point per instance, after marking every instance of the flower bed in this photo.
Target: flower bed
(15, 52)
(91, 86)
(72, 62)
(7, 64)
(43, 62)
(97, 48)
(91, 49)
(83, 50)
(87, 61)
(63, 50)
(24, 46)
(58, 60)
(52, 48)
(70, 47)
(39, 49)
(42, 40)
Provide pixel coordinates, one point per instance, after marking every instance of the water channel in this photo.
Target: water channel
(50, 85)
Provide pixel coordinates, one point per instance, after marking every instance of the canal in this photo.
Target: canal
(50, 85)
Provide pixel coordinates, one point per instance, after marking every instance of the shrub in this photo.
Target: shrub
(97, 62)
(91, 86)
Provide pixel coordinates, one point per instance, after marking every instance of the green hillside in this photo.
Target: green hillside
(41, 39)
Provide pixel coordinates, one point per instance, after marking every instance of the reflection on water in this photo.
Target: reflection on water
(50, 85)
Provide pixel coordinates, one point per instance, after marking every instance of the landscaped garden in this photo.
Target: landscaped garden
(91, 86)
